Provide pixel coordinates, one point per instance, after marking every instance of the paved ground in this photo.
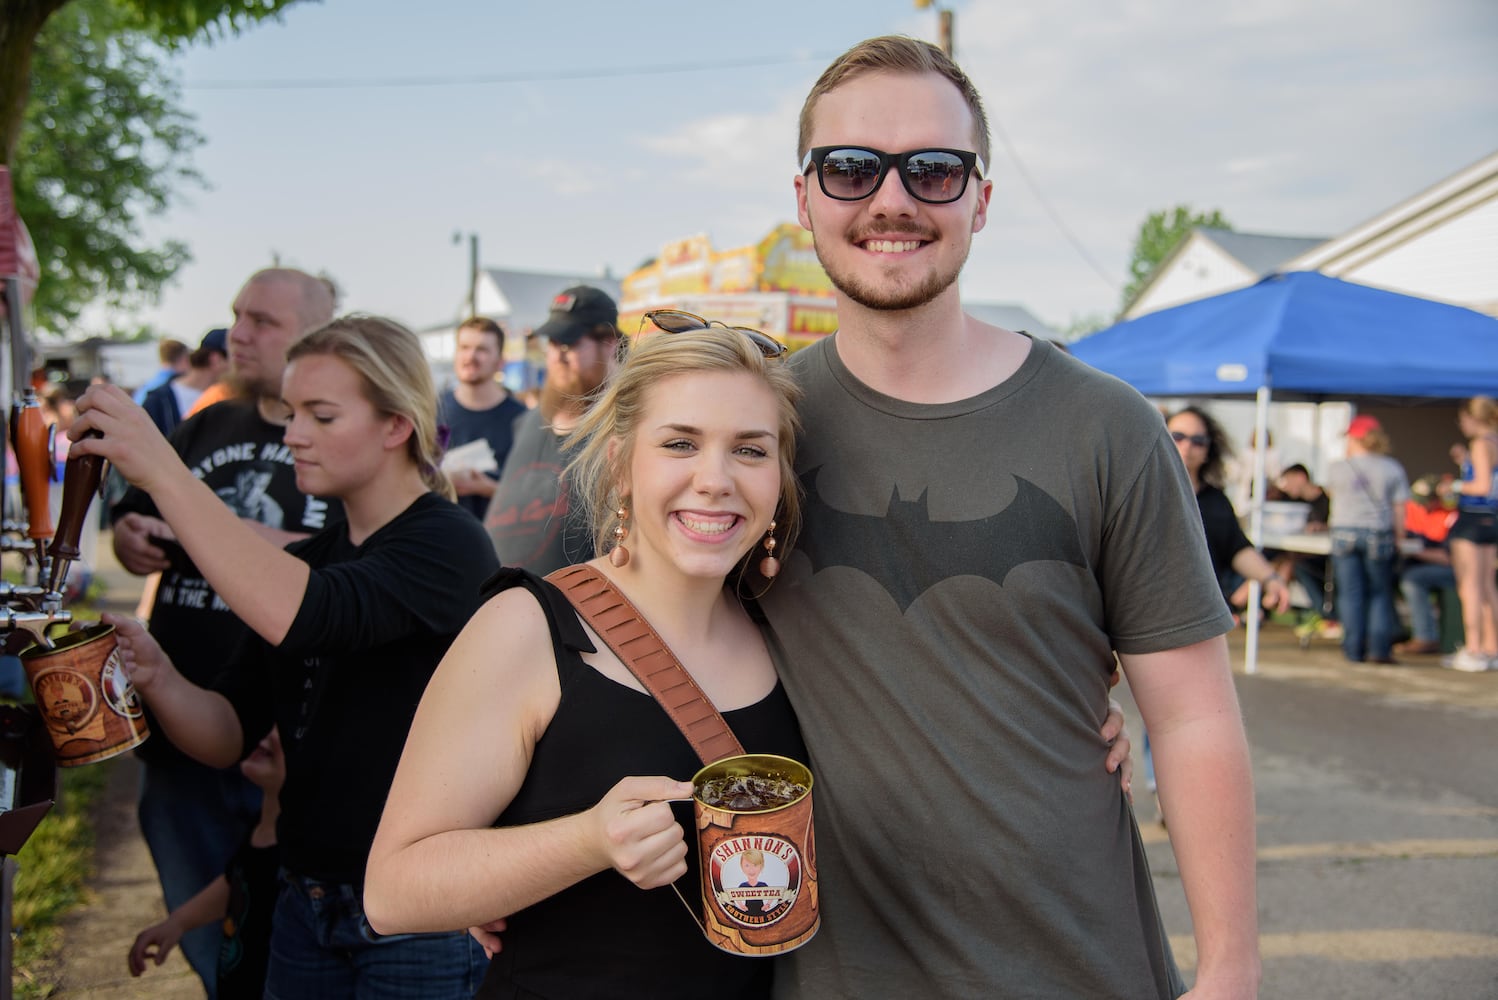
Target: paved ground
(125, 896)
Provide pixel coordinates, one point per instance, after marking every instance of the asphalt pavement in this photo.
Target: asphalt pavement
(1377, 811)
(1377, 823)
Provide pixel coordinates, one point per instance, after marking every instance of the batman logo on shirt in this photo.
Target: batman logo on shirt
(908, 553)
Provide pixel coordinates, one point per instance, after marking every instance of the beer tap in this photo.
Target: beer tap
(32, 438)
(80, 480)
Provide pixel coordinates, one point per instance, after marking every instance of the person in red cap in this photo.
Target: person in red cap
(1368, 491)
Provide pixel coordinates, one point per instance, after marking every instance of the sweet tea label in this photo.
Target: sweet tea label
(755, 878)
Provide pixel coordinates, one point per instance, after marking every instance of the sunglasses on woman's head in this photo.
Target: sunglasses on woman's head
(852, 173)
(1200, 440)
(680, 321)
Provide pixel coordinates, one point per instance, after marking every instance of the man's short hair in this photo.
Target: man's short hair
(171, 352)
(484, 324)
(894, 54)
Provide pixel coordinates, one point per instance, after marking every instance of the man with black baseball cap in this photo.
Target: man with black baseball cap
(528, 517)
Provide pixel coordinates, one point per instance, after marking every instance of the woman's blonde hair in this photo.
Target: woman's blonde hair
(1482, 409)
(605, 436)
(396, 379)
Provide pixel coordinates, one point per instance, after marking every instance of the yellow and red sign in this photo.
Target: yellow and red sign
(776, 285)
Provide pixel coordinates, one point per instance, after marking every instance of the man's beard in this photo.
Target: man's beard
(574, 397)
(245, 388)
(475, 377)
(886, 299)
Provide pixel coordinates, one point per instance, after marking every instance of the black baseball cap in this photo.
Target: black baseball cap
(216, 340)
(577, 312)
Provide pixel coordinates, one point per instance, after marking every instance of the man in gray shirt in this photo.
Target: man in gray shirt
(987, 522)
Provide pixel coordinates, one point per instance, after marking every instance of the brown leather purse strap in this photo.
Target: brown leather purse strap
(641, 649)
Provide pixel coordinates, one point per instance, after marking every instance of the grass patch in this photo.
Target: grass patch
(54, 866)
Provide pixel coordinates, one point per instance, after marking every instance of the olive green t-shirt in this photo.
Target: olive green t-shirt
(946, 627)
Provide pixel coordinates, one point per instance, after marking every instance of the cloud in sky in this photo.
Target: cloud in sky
(1291, 118)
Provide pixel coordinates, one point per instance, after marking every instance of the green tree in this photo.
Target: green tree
(1158, 236)
(170, 21)
(91, 127)
(103, 145)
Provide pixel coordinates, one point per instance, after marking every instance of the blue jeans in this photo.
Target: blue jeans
(1363, 564)
(1419, 582)
(322, 948)
(193, 817)
(1310, 573)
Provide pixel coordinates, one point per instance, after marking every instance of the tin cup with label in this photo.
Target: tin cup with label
(86, 701)
(757, 853)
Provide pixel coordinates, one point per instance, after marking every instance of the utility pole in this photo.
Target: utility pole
(473, 274)
(473, 271)
(946, 31)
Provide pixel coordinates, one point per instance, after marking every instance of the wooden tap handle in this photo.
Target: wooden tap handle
(80, 481)
(32, 439)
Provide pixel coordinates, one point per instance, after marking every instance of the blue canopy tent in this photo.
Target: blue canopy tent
(1301, 335)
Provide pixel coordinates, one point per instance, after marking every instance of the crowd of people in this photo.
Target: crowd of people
(1387, 538)
(390, 760)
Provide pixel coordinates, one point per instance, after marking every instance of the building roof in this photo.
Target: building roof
(1259, 252)
(1010, 317)
(528, 294)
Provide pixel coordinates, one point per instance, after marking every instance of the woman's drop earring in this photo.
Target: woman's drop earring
(769, 565)
(619, 555)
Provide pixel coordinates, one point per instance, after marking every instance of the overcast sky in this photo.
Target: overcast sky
(356, 136)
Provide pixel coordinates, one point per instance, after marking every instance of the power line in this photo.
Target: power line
(1055, 216)
(487, 79)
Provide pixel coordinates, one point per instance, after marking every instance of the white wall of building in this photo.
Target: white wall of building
(1456, 261)
(1199, 270)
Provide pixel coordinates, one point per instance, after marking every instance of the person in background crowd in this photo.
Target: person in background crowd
(990, 526)
(216, 393)
(210, 362)
(478, 408)
(1294, 484)
(1368, 491)
(1426, 573)
(1242, 470)
(193, 816)
(1203, 447)
(1474, 537)
(173, 355)
(348, 626)
(529, 516)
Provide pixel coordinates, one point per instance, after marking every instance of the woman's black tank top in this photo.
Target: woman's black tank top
(603, 936)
